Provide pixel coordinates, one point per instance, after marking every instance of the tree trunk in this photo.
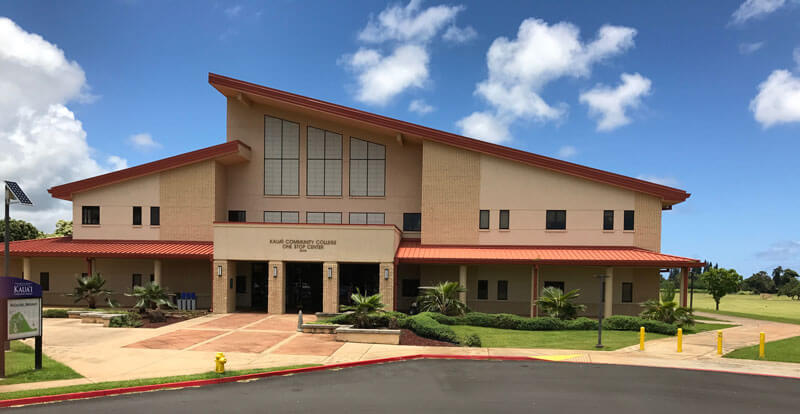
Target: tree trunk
(92, 304)
(717, 303)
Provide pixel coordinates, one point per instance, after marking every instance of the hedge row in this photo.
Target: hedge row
(508, 321)
(54, 313)
(423, 325)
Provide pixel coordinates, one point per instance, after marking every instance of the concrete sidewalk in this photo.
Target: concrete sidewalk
(263, 341)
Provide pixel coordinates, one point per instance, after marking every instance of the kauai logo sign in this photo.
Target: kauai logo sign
(14, 287)
(23, 289)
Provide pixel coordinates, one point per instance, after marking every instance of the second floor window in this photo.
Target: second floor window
(504, 219)
(281, 157)
(324, 168)
(556, 220)
(628, 220)
(239, 216)
(366, 218)
(281, 217)
(608, 219)
(155, 216)
(412, 222)
(367, 168)
(137, 215)
(483, 219)
(90, 215)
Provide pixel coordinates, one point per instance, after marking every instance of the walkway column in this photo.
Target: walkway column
(462, 280)
(534, 290)
(330, 287)
(26, 268)
(684, 286)
(608, 308)
(276, 286)
(386, 285)
(157, 272)
(224, 300)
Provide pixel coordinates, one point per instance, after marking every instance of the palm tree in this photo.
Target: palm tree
(558, 304)
(150, 297)
(667, 311)
(362, 306)
(443, 298)
(89, 289)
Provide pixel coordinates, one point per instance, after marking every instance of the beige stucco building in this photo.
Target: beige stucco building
(308, 201)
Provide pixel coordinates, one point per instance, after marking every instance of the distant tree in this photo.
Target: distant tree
(63, 228)
(720, 282)
(790, 289)
(19, 230)
(788, 276)
(759, 283)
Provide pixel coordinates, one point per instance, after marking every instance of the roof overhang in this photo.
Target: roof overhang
(246, 92)
(228, 153)
(155, 249)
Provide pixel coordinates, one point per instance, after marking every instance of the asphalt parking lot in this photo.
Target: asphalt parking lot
(463, 386)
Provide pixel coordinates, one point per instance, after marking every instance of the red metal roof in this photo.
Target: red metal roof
(414, 252)
(65, 191)
(67, 247)
(670, 195)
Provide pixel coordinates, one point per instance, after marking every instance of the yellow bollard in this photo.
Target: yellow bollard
(680, 339)
(641, 338)
(761, 353)
(719, 342)
(220, 361)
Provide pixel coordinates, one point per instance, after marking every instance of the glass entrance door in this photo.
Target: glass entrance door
(259, 286)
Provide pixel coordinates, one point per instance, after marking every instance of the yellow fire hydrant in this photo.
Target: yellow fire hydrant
(220, 360)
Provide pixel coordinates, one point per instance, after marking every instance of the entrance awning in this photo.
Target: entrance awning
(415, 252)
(67, 247)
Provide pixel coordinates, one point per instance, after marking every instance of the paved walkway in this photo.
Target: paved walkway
(263, 341)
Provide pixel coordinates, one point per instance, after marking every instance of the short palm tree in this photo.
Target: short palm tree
(150, 297)
(558, 304)
(667, 311)
(443, 298)
(362, 306)
(89, 289)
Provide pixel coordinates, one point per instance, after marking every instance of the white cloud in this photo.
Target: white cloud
(117, 163)
(233, 11)
(520, 68)
(668, 181)
(778, 99)
(755, 8)
(42, 143)
(383, 74)
(567, 151)
(143, 142)
(781, 251)
(486, 126)
(420, 106)
(748, 48)
(609, 104)
(459, 35)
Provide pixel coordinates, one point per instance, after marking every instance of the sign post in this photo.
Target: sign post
(20, 315)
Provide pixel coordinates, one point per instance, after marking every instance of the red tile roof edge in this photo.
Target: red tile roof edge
(67, 247)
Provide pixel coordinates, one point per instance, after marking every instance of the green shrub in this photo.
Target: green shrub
(633, 323)
(376, 320)
(54, 313)
(471, 340)
(476, 319)
(425, 326)
(581, 324)
(544, 323)
(128, 320)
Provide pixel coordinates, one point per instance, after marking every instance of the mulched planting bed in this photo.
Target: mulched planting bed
(410, 338)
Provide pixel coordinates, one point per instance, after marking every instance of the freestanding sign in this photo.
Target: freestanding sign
(21, 308)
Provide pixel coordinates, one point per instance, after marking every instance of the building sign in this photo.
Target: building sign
(302, 245)
(24, 318)
(14, 287)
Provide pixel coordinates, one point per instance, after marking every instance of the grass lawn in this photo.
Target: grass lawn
(703, 327)
(133, 383)
(785, 350)
(19, 367)
(776, 309)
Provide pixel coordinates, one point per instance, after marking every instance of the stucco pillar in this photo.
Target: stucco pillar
(386, 285)
(276, 285)
(462, 280)
(534, 290)
(157, 272)
(26, 268)
(224, 300)
(330, 287)
(608, 308)
(684, 286)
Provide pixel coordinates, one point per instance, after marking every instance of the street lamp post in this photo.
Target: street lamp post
(601, 310)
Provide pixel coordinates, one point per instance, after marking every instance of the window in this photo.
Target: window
(281, 217)
(627, 292)
(367, 168)
(326, 218)
(44, 280)
(410, 288)
(152, 278)
(281, 157)
(608, 219)
(628, 220)
(90, 215)
(84, 275)
(324, 163)
(504, 219)
(412, 221)
(137, 215)
(557, 285)
(483, 221)
(366, 218)
(483, 289)
(556, 220)
(241, 284)
(239, 216)
(502, 290)
(136, 280)
(155, 216)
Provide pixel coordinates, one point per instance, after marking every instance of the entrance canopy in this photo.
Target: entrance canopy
(415, 252)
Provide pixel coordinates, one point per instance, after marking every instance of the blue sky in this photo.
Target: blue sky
(683, 117)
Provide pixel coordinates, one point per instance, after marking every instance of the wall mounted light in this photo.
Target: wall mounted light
(275, 271)
(219, 270)
(330, 273)
(386, 273)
